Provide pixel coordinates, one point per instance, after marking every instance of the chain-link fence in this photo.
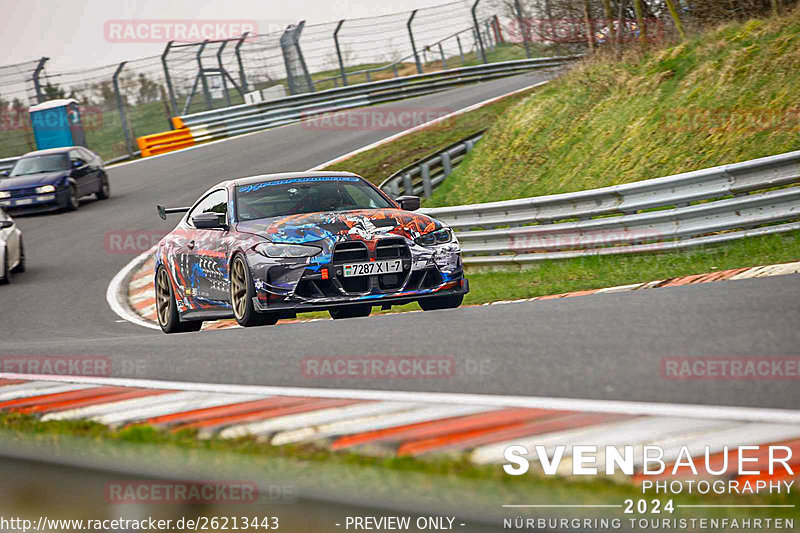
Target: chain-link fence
(127, 100)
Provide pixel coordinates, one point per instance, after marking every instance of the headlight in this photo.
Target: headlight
(287, 250)
(45, 188)
(5, 194)
(433, 238)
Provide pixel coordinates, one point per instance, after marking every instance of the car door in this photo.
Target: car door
(81, 174)
(205, 264)
(93, 162)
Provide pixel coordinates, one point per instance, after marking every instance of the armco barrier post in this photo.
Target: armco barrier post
(238, 49)
(478, 30)
(121, 107)
(168, 79)
(427, 189)
(413, 45)
(523, 27)
(36, 83)
(339, 51)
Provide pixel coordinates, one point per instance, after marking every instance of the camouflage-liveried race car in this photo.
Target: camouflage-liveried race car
(267, 247)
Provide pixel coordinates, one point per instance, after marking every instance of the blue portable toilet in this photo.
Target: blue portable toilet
(57, 123)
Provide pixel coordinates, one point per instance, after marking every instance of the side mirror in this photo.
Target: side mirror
(5, 173)
(5, 224)
(209, 221)
(78, 163)
(408, 203)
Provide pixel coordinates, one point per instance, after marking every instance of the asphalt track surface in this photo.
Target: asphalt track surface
(596, 347)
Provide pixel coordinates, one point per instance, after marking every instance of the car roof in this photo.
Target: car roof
(59, 150)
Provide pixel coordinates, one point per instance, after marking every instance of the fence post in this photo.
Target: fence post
(202, 74)
(168, 79)
(478, 30)
(222, 73)
(488, 36)
(447, 164)
(523, 27)
(460, 49)
(498, 30)
(339, 51)
(36, 83)
(441, 52)
(242, 75)
(427, 189)
(413, 45)
(121, 108)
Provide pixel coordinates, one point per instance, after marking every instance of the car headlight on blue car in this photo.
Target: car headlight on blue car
(5, 194)
(274, 250)
(442, 236)
(45, 189)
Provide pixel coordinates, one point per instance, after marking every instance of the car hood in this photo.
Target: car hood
(365, 224)
(31, 180)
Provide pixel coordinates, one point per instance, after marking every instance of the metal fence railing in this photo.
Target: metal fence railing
(135, 98)
(226, 122)
(702, 207)
(423, 176)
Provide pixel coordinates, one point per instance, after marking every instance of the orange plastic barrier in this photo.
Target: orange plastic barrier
(160, 143)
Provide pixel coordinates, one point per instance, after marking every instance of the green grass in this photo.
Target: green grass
(435, 475)
(652, 113)
(381, 162)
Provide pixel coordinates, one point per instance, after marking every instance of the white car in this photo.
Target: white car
(12, 252)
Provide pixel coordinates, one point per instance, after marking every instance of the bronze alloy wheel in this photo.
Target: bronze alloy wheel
(163, 297)
(239, 288)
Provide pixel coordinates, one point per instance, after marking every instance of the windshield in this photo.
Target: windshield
(306, 195)
(40, 163)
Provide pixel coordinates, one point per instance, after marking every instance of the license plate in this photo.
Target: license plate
(372, 268)
(24, 201)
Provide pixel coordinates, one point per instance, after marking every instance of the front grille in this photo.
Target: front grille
(350, 252)
(17, 193)
(392, 249)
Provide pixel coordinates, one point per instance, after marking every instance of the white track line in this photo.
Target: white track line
(117, 292)
(756, 414)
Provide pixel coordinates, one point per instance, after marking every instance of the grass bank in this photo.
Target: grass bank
(725, 96)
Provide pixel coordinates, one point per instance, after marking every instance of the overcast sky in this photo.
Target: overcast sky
(71, 32)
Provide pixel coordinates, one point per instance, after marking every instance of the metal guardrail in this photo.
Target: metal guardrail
(235, 120)
(422, 177)
(701, 207)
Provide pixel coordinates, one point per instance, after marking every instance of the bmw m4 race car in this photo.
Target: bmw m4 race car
(267, 247)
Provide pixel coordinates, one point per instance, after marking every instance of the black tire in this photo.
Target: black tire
(73, 201)
(166, 310)
(441, 302)
(350, 311)
(242, 292)
(6, 279)
(21, 265)
(105, 189)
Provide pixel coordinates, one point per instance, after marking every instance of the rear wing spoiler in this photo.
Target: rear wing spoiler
(164, 211)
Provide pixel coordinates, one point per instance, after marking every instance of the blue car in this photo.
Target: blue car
(53, 179)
